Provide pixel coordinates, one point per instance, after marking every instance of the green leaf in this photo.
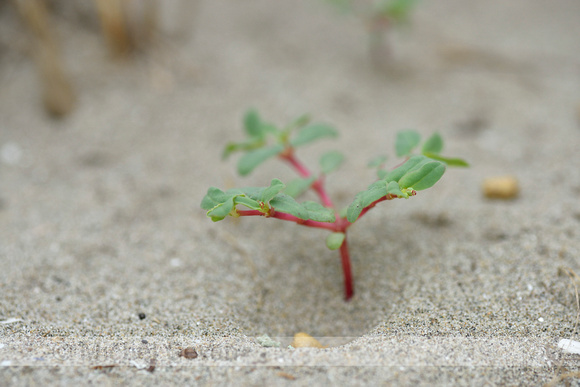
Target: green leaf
(433, 145)
(298, 186)
(287, 204)
(393, 188)
(373, 193)
(241, 146)
(252, 159)
(398, 10)
(253, 124)
(318, 212)
(220, 204)
(406, 141)
(313, 132)
(248, 202)
(335, 240)
(452, 162)
(424, 177)
(396, 174)
(330, 161)
(377, 161)
(214, 197)
(251, 197)
(270, 192)
(222, 210)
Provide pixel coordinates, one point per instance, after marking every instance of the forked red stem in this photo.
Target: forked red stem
(339, 225)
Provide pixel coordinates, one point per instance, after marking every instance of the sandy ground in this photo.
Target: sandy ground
(100, 218)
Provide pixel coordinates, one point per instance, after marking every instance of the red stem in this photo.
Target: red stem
(339, 225)
(291, 218)
(348, 281)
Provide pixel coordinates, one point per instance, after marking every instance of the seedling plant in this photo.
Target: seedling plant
(379, 16)
(265, 141)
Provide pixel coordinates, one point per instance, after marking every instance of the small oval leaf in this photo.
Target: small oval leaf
(275, 187)
(318, 212)
(253, 123)
(213, 197)
(364, 198)
(222, 210)
(406, 141)
(331, 161)
(287, 204)
(433, 145)
(298, 186)
(252, 159)
(313, 132)
(335, 240)
(424, 177)
(396, 174)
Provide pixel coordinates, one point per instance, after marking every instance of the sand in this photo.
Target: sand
(107, 261)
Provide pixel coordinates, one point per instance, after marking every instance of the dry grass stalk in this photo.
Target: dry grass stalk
(114, 25)
(58, 94)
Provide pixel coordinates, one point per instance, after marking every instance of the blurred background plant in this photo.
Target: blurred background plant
(379, 17)
(127, 27)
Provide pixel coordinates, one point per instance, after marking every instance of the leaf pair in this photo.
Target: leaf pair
(416, 174)
(220, 204)
(408, 140)
(257, 148)
(306, 210)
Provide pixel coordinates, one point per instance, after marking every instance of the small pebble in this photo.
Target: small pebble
(144, 341)
(142, 316)
(286, 375)
(188, 353)
(502, 187)
(152, 364)
(569, 346)
(304, 340)
(266, 341)
(11, 153)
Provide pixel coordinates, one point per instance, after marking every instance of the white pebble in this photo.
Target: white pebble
(11, 153)
(530, 287)
(569, 346)
(10, 320)
(6, 363)
(541, 319)
(175, 262)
